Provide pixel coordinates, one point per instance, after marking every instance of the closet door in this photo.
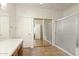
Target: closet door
(59, 33)
(4, 27)
(48, 29)
(24, 30)
(69, 32)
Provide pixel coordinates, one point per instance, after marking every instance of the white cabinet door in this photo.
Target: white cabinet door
(4, 27)
(24, 30)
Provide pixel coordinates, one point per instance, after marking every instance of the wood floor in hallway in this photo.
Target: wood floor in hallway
(42, 48)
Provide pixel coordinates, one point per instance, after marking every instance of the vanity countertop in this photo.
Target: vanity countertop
(8, 46)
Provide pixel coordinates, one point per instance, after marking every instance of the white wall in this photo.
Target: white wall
(7, 21)
(38, 21)
(11, 10)
(33, 12)
(4, 24)
(24, 30)
(72, 10)
(4, 27)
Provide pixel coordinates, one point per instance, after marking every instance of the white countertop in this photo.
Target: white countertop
(8, 46)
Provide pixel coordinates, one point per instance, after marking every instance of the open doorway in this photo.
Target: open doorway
(38, 32)
(42, 32)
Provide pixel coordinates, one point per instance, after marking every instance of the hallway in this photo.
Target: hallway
(42, 48)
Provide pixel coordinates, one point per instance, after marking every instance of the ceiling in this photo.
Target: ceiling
(57, 6)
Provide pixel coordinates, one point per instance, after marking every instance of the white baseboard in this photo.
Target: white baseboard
(63, 50)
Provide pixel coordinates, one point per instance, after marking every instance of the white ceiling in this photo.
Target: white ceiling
(57, 6)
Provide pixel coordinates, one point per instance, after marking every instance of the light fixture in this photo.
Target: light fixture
(3, 5)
